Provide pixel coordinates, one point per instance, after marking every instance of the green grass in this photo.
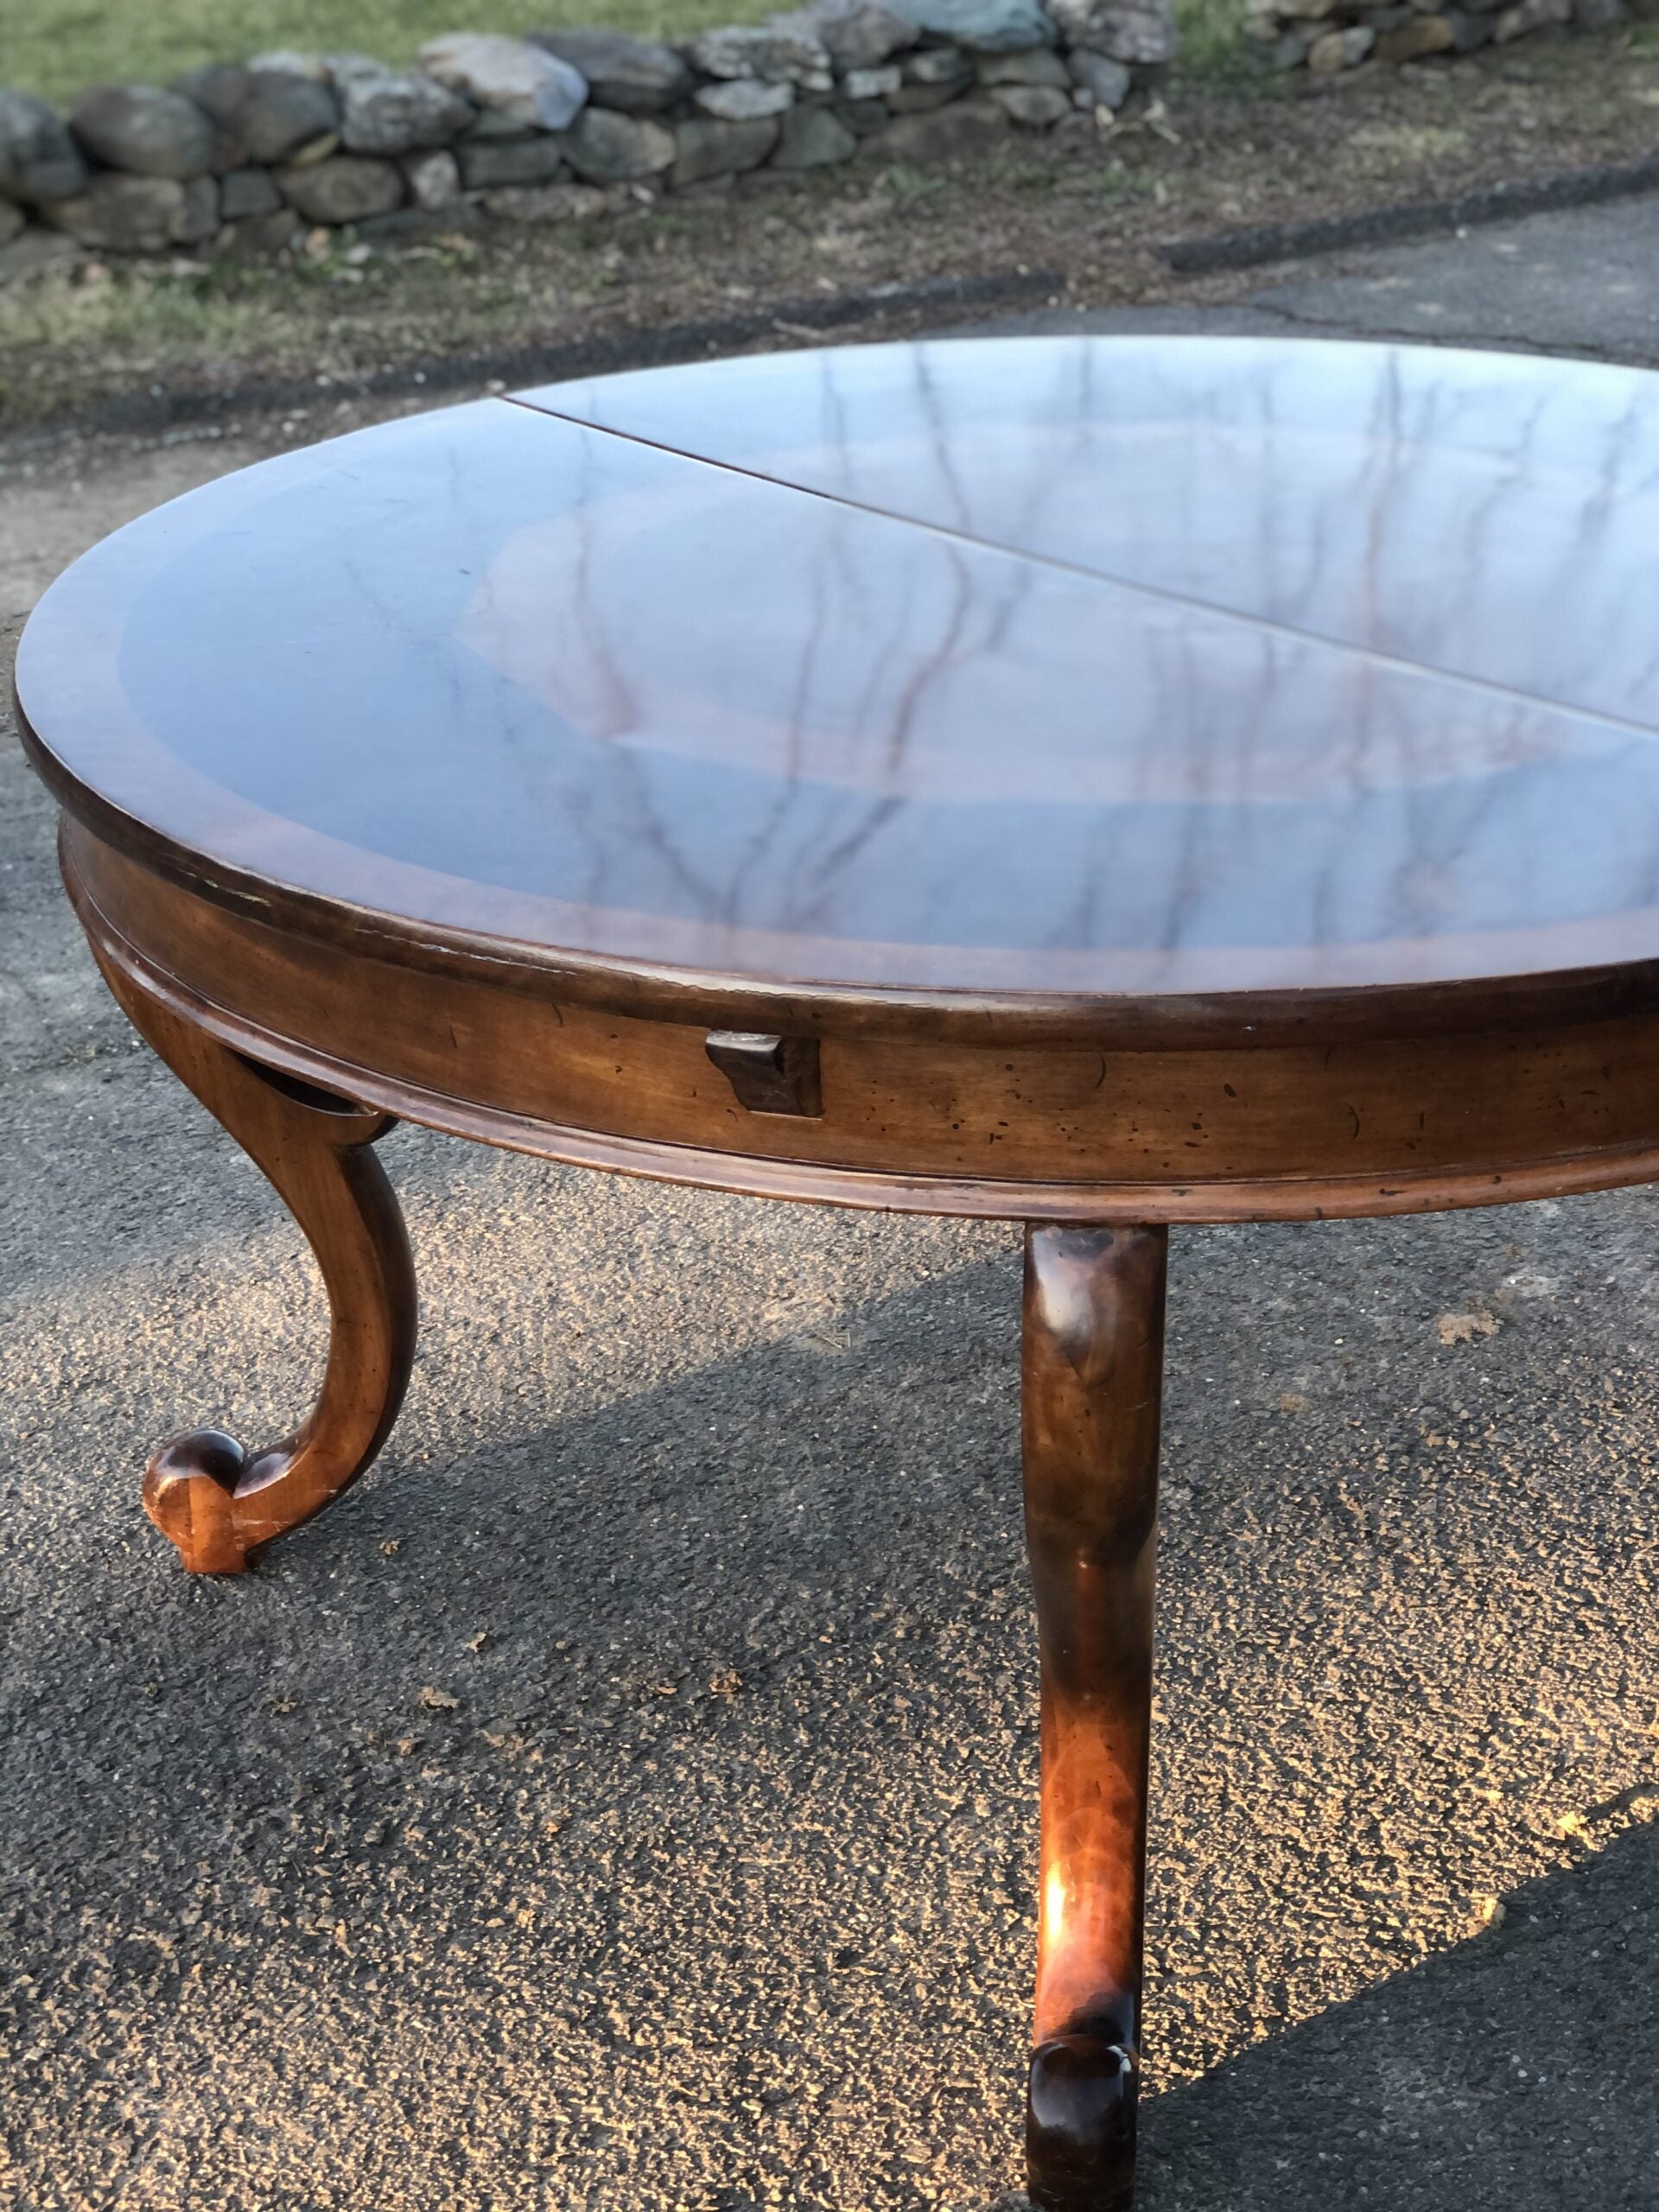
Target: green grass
(1213, 43)
(56, 47)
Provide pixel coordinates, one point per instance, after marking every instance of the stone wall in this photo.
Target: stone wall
(543, 128)
(1326, 36)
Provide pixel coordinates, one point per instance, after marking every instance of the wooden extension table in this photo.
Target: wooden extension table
(1101, 784)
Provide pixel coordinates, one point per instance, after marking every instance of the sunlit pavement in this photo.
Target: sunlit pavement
(627, 1798)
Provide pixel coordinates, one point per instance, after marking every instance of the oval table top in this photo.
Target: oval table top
(990, 671)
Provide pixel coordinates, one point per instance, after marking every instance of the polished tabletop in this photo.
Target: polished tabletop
(1098, 666)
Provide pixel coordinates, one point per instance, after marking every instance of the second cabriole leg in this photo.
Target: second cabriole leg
(214, 1500)
(1092, 1374)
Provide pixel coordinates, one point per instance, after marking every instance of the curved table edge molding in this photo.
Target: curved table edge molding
(1248, 1018)
(1283, 1199)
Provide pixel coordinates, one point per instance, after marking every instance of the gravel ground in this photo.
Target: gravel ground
(627, 1797)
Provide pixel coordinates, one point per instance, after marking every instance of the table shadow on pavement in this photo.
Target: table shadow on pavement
(1521, 2070)
(702, 1880)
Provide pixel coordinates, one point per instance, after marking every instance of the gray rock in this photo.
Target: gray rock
(256, 237)
(143, 130)
(1422, 34)
(342, 189)
(36, 247)
(421, 222)
(507, 75)
(1036, 65)
(930, 78)
(1290, 51)
(488, 163)
(707, 150)
(199, 86)
(490, 123)
(432, 180)
(987, 25)
(545, 203)
(339, 68)
(635, 76)
(922, 99)
(863, 118)
(38, 158)
(1033, 107)
(743, 100)
(121, 214)
(778, 57)
(1334, 51)
(1106, 81)
(960, 128)
(872, 83)
(813, 138)
(315, 150)
(247, 191)
(606, 148)
(398, 112)
(1529, 15)
(199, 218)
(264, 115)
(1468, 30)
(289, 61)
(1598, 14)
(12, 221)
(940, 65)
(1127, 30)
(855, 33)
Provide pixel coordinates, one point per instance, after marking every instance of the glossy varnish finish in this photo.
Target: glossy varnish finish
(1022, 732)
(1490, 516)
(1092, 1376)
(1097, 783)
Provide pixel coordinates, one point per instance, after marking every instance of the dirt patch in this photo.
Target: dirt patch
(1093, 212)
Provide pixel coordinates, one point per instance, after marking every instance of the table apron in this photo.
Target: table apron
(1037, 1131)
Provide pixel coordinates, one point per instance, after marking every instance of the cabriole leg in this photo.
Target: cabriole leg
(216, 1501)
(1093, 1366)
